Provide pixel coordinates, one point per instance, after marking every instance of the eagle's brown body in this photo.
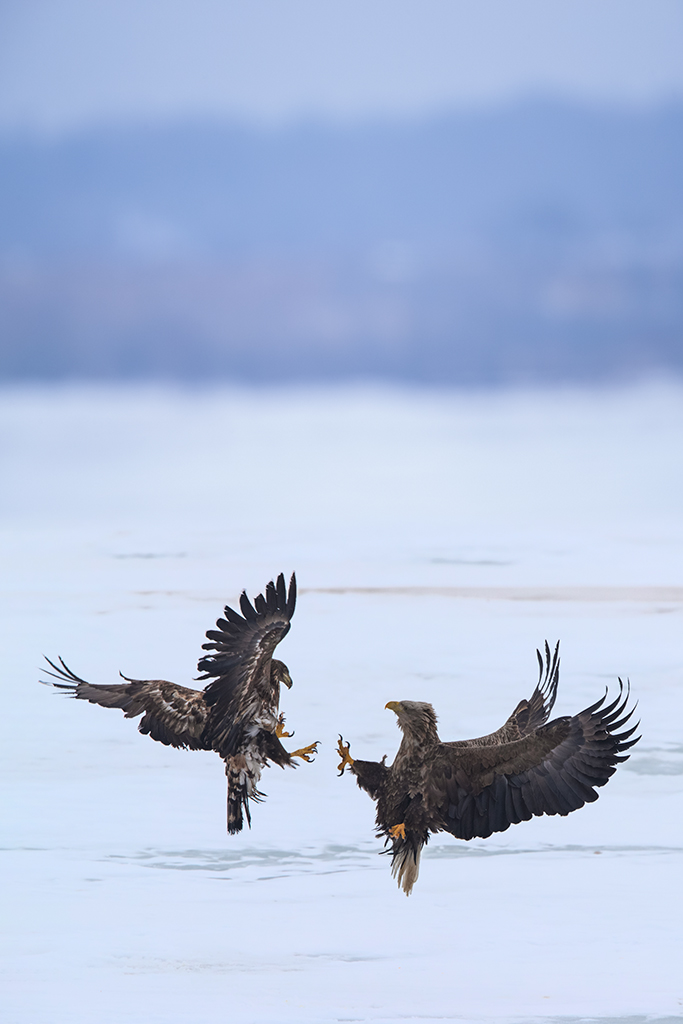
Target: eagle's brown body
(236, 715)
(472, 788)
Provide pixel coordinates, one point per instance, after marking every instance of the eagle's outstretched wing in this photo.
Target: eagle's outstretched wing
(474, 791)
(240, 693)
(530, 714)
(172, 714)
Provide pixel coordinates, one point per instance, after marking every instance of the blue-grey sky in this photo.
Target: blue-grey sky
(68, 62)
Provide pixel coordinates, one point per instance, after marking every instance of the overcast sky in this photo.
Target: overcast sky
(64, 63)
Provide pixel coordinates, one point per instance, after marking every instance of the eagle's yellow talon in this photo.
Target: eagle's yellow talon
(280, 727)
(343, 752)
(398, 831)
(304, 752)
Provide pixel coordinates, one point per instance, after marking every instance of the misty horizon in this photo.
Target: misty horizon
(534, 242)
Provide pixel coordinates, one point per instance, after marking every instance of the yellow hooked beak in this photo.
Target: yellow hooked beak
(393, 705)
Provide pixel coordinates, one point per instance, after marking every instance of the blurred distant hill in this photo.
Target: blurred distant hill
(538, 242)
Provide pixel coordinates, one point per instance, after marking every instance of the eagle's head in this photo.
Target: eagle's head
(279, 673)
(415, 718)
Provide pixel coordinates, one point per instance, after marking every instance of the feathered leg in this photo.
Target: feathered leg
(242, 787)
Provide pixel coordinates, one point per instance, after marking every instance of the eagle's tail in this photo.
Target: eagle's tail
(242, 779)
(405, 860)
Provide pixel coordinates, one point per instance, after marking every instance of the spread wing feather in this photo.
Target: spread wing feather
(371, 776)
(173, 715)
(479, 790)
(530, 714)
(240, 690)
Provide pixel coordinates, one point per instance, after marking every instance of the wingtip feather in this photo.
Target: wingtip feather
(291, 596)
(248, 610)
(281, 593)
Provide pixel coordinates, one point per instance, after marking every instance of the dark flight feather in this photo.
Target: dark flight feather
(240, 667)
(173, 715)
(529, 714)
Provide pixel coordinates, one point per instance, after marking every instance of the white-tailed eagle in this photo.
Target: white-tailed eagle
(472, 788)
(236, 714)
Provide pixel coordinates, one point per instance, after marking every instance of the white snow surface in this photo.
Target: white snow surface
(438, 539)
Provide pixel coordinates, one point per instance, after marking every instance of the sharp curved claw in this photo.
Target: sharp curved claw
(280, 727)
(343, 751)
(305, 752)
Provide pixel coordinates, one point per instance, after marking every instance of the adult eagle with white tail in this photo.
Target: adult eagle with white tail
(236, 714)
(475, 787)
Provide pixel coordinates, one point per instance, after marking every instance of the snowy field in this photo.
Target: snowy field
(438, 539)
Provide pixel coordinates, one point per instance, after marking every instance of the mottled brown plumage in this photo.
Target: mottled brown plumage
(236, 714)
(472, 788)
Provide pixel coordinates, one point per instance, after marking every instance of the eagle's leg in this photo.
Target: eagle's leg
(305, 752)
(280, 727)
(346, 758)
(398, 830)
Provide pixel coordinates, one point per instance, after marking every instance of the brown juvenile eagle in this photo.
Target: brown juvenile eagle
(475, 787)
(236, 714)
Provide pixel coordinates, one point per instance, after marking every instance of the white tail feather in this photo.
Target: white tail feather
(405, 867)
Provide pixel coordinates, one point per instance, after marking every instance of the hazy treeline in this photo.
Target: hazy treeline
(540, 241)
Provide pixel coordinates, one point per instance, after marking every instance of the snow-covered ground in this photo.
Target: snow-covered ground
(438, 540)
